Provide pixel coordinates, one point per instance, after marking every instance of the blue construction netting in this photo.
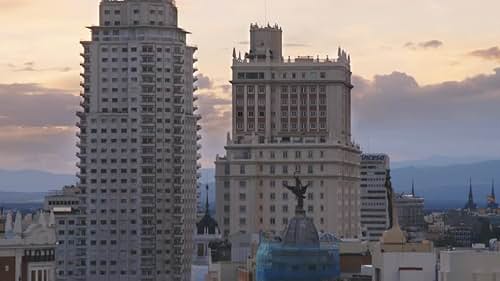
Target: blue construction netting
(278, 262)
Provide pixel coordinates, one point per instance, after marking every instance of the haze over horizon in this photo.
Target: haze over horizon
(426, 81)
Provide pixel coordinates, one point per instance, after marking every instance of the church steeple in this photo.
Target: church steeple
(492, 201)
(470, 202)
(207, 224)
(207, 212)
(493, 189)
(413, 187)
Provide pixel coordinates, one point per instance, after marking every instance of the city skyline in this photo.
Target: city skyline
(392, 69)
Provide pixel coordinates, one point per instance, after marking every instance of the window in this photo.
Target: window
(284, 169)
(242, 169)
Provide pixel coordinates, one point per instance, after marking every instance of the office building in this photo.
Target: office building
(290, 117)
(374, 213)
(411, 215)
(137, 144)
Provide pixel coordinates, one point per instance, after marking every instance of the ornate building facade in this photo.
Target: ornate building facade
(289, 117)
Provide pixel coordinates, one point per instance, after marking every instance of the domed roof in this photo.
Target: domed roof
(301, 231)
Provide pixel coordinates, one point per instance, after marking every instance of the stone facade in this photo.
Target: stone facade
(289, 117)
(27, 248)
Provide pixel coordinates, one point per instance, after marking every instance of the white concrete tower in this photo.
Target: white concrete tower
(289, 116)
(138, 145)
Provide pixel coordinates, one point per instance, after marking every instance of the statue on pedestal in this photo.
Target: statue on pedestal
(299, 190)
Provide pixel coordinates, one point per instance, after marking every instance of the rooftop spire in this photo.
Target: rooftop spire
(493, 188)
(206, 203)
(413, 187)
(470, 202)
(471, 197)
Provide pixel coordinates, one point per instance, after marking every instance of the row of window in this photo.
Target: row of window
(240, 90)
(135, 22)
(283, 75)
(284, 169)
(135, 12)
(284, 126)
(272, 221)
(293, 113)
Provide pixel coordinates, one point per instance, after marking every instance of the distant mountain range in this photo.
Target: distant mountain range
(442, 185)
(33, 181)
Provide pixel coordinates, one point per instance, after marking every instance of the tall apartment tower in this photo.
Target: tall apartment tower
(374, 204)
(138, 145)
(290, 117)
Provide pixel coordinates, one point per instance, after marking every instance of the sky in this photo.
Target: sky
(426, 73)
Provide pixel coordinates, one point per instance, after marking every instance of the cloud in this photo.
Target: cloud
(294, 45)
(31, 67)
(431, 44)
(394, 114)
(492, 53)
(38, 148)
(215, 109)
(204, 82)
(34, 105)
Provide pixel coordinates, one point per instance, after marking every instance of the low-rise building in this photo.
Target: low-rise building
(354, 254)
(70, 233)
(27, 248)
(467, 265)
(396, 259)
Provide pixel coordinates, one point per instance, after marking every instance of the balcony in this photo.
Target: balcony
(81, 124)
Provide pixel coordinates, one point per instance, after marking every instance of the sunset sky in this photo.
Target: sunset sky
(425, 72)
